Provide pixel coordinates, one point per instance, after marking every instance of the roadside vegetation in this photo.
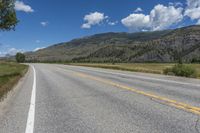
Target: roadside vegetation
(10, 73)
(20, 57)
(182, 70)
(186, 70)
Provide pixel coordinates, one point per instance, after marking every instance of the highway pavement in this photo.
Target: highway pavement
(53, 98)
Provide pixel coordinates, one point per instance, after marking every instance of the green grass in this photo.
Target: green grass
(10, 73)
(156, 68)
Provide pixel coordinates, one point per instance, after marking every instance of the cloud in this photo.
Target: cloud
(193, 13)
(39, 48)
(193, 10)
(112, 23)
(20, 6)
(176, 4)
(6, 50)
(138, 9)
(92, 19)
(193, 3)
(136, 22)
(13, 51)
(160, 17)
(44, 23)
(198, 22)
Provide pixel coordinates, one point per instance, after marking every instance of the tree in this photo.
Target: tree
(20, 58)
(8, 19)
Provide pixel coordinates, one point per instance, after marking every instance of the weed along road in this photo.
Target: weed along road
(55, 98)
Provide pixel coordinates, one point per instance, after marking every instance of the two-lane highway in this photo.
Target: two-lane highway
(72, 99)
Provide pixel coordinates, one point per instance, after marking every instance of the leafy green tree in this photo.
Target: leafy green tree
(8, 19)
(20, 58)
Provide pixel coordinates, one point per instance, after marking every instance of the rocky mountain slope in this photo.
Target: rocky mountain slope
(158, 46)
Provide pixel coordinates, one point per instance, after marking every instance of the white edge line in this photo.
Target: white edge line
(31, 113)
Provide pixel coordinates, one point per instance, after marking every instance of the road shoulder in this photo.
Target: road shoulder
(14, 108)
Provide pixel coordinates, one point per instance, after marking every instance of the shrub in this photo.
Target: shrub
(181, 70)
(20, 57)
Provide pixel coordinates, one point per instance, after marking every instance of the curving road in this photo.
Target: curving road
(72, 99)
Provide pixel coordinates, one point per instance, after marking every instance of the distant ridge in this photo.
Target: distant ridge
(158, 46)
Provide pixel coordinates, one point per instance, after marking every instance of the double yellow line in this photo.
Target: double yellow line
(174, 103)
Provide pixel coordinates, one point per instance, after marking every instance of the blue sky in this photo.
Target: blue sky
(46, 22)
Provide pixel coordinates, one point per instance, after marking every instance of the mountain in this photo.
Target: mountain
(158, 46)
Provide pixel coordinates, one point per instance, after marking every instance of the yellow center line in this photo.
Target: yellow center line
(174, 103)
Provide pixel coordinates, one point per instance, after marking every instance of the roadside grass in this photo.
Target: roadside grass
(156, 68)
(10, 73)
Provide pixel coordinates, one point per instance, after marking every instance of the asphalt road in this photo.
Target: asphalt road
(71, 99)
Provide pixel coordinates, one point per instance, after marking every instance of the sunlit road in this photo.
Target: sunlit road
(71, 99)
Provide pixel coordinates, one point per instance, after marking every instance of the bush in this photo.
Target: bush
(20, 58)
(181, 70)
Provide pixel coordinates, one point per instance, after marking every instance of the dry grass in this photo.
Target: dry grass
(156, 68)
(10, 73)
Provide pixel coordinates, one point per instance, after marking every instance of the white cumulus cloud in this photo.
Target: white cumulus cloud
(193, 10)
(93, 19)
(160, 17)
(136, 22)
(20, 6)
